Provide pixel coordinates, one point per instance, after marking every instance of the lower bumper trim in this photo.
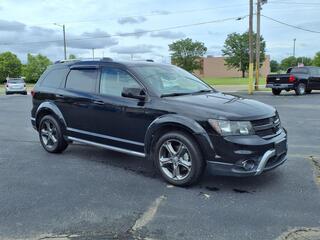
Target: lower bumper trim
(230, 169)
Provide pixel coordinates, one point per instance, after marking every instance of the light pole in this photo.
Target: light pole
(294, 47)
(64, 39)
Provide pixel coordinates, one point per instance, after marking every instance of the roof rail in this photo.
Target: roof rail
(105, 59)
(66, 60)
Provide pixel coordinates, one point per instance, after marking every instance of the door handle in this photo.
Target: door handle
(59, 96)
(99, 102)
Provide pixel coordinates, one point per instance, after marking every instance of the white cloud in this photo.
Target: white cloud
(143, 48)
(131, 20)
(168, 34)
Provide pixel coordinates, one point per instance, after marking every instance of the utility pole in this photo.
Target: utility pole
(294, 47)
(256, 87)
(250, 87)
(258, 42)
(64, 39)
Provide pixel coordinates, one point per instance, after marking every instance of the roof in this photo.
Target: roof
(102, 62)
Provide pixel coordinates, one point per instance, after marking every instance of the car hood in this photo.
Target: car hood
(222, 106)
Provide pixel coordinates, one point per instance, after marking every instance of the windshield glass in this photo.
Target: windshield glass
(171, 80)
(15, 81)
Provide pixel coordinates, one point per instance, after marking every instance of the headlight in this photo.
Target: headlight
(227, 128)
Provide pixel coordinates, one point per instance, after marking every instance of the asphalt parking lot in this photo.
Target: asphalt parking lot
(91, 193)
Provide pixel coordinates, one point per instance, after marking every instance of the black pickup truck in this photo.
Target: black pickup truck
(300, 79)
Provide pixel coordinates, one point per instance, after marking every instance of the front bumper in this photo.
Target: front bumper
(280, 86)
(248, 156)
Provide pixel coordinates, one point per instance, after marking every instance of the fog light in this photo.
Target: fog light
(247, 165)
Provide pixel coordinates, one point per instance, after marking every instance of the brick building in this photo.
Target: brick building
(215, 67)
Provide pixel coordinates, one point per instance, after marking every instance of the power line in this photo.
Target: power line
(129, 33)
(295, 3)
(290, 25)
(153, 13)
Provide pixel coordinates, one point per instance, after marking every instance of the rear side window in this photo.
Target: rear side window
(54, 78)
(82, 80)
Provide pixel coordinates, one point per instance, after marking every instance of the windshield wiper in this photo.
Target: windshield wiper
(203, 91)
(174, 94)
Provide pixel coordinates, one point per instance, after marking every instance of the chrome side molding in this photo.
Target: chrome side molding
(117, 149)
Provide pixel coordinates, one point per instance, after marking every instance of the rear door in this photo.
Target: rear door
(76, 99)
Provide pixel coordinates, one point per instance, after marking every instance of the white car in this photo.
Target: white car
(15, 85)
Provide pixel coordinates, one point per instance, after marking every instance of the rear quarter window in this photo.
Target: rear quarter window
(54, 78)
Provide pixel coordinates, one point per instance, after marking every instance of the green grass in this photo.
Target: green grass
(230, 81)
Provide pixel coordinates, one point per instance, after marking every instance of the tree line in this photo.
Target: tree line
(11, 66)
(288, 62)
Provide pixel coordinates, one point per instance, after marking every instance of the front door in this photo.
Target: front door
(121, 122)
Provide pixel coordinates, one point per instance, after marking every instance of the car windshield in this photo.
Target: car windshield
(169, 80)
(15, 81)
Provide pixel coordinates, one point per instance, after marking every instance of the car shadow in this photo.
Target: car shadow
(144, 167)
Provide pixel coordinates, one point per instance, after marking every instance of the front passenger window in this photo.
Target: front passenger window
(113, 80)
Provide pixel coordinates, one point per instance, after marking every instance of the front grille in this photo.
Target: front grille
(267, 127)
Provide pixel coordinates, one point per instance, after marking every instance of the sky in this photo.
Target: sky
(142, 29)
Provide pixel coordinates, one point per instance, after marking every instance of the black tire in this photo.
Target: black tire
(308, 91)
(24, 93)
(190, 155)
(51, 136)
(276, 91)
(300, 89)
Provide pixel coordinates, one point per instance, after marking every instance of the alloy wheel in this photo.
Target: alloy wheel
(49, 134)
(175, 159)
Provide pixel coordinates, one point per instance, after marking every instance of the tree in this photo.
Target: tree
(10, 66)
(316, 59)
(305, 60)
(186, 53)
(35, 66)
(72, 56)
(288, 62)
(236, 51)
(293, 61)
(274, 66)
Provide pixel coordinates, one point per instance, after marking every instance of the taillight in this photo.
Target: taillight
(292, 78)
(33, 93)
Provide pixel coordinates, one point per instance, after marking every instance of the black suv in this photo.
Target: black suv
(160, 112)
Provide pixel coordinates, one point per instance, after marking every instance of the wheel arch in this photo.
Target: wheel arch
(47, 108)
(173, 122)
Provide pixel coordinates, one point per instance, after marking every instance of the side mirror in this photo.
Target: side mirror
(136, 93)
